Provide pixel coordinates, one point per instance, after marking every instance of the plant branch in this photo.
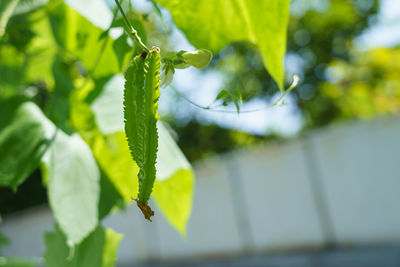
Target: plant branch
(132, 30)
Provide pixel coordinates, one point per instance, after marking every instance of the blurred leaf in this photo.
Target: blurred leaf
(6, 9)
(121, 48)
(41, 51)
(173, 188)
(222, 95)
(237, 99)
(73, 185)
(58, 104)
(109, 196)
(25, 134)
(365, 86)
(213, 24)
(138, 25)
(80, 37)
(235, 96)
(99, 249)
(11, 73)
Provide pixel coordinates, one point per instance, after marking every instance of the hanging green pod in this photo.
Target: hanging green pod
(141, 94)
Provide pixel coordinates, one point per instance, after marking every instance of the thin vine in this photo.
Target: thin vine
(210, 108)
(132, 32)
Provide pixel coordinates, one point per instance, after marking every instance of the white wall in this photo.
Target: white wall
(339, 185)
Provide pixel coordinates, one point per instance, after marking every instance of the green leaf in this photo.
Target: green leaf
(41, 51)
(77, 35)
(235, 96)
(25, 134)
(109, 196)
(213, 24)
(140, 112)
(173, 188)
(6, 9)
(121, 48)
(99, 249)
(223, 94)
(73, 186)
(237, 99)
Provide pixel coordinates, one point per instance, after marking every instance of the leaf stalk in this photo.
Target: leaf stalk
(132, 30)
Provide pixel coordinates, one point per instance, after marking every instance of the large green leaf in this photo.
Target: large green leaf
(109, 196)
(73, 185)
(25, 134)
(173, 188)
(213, 24)
(99, 249)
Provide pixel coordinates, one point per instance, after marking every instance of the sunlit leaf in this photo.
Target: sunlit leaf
(79, 36)
(173, 188)
(73, 185)
(213, 24)
(109, 196)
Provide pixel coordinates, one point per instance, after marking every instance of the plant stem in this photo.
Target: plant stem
(209, 108)
(132, 30)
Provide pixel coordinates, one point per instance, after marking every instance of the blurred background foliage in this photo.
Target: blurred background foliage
(337, 80)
